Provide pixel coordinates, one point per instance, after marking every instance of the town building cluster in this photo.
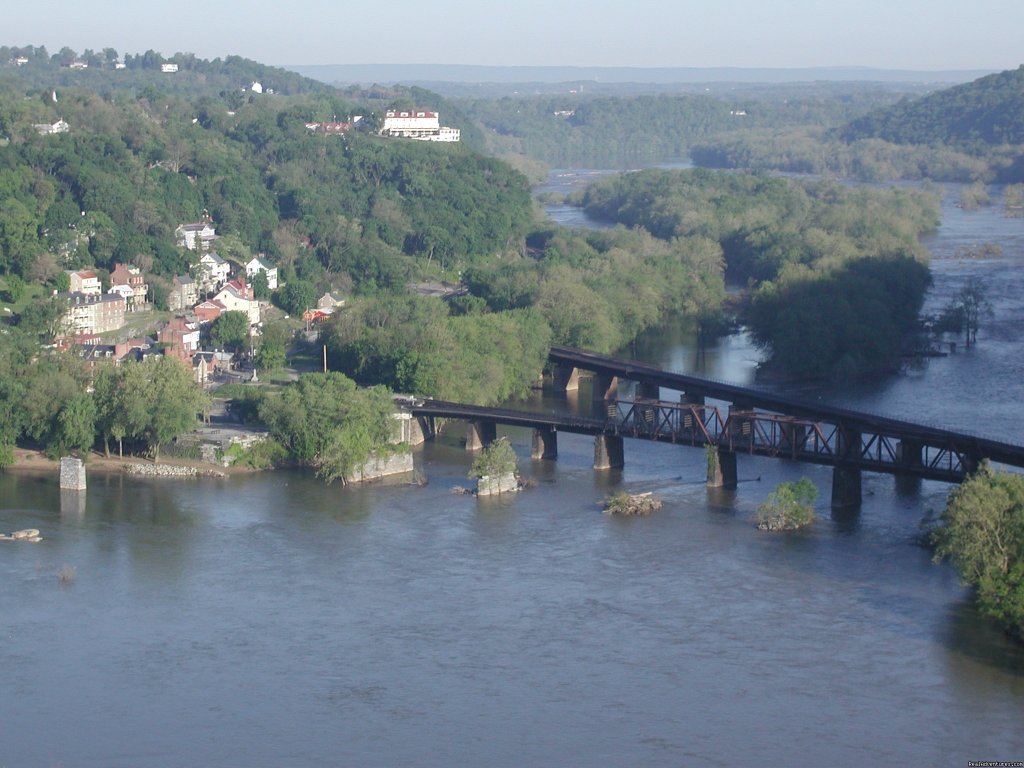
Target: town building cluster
(196, 299)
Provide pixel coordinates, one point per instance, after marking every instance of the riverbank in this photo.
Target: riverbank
(35, 461)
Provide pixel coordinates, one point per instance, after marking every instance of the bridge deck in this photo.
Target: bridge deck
(749, 397)
(756, 422)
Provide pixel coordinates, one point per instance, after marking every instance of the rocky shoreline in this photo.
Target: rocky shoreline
(171, 470)
(37, 462)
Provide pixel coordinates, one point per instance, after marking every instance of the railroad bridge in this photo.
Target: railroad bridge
(741, 420)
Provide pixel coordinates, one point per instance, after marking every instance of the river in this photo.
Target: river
(270, 620)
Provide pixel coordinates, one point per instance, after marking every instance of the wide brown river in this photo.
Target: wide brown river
(271, 620)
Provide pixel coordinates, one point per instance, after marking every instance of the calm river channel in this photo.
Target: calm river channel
(271, 620)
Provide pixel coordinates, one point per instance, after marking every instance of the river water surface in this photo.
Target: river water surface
(270, 620)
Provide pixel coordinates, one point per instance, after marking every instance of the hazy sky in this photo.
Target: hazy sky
(894, 34)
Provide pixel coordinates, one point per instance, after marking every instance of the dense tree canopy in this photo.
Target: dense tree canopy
(837, 273)
(983, 534)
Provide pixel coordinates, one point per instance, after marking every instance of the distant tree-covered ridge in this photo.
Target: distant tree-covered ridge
(836, 273)
(969, 132)
(580, 130)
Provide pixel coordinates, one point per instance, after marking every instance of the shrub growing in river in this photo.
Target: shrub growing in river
(498, 458)
(788, 507)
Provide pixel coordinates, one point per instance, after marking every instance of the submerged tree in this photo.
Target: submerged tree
(964, 313)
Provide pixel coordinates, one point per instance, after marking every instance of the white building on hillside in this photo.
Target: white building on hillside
(196, 235)
(418, 124)
(256, 266)
(212, 272)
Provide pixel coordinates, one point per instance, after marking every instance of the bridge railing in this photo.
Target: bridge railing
(781, 436)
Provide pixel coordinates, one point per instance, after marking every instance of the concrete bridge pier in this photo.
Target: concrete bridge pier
(722, 471)
(845, 487)
(480, 433)
(565, 378)
(427, 426)
(545, 443)
(608, 452)
(606, 387)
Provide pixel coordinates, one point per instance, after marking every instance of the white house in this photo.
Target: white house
(237, 296)
(213, 272)
(256, 87)
(168, 67)
(420, 124)
(45, 129)
(196, 235)
(256, 266)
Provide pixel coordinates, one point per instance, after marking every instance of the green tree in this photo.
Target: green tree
(325, 421)
(161, 401)
(498, 458)
(272, 346)
(231, 331)
(982, 532)
(788, 507)
(76, 425)
(260, 288)
(296, 297)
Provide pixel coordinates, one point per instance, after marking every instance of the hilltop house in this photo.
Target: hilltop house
(419, 124)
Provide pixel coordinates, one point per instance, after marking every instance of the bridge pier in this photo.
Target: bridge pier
(565, 378)
(608, 452)
(545, 443)
(606, 387)
(647, 390)
(691, 398)
(722, 471)
(909, 452)
(845, 487)
(480, 433)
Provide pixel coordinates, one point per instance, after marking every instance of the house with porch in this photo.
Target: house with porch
(126, 276)
(212, 272)
(196, 236)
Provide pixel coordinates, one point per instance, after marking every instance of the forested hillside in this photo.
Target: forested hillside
(136, 163)
(973, 116)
